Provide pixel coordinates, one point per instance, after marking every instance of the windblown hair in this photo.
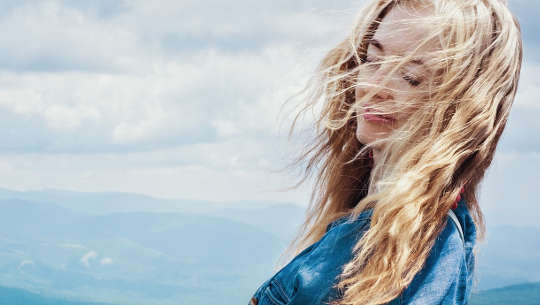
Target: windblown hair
(446, 144)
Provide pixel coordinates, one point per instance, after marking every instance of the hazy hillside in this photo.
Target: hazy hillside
(281, 220)
(140, 256)
(523, 294)
(132, 258)
(115, 202)
(13, 296)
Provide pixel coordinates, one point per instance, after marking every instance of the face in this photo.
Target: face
(396, 36)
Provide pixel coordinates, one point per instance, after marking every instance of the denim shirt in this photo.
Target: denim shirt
(307, 279)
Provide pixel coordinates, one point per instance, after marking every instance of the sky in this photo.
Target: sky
(185, 99)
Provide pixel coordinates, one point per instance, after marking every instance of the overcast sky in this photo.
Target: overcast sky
(182, 98)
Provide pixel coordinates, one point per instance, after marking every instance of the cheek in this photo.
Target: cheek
(405, 110)
(357, 91)
(361, 88)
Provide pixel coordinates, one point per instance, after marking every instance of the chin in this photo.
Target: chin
(364, 138)
(366, 133)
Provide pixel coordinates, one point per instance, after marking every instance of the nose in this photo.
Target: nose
(375, 83)
(383, 95)
(384, 89)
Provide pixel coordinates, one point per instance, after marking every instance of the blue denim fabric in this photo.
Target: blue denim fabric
(446, 277)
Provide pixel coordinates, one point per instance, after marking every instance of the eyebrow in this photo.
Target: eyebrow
(376, 44)
(379, 46)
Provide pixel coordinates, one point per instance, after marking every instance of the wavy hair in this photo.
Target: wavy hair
(446, 144)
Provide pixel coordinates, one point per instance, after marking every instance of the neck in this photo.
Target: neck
(375, 155)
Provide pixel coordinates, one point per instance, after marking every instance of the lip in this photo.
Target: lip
(377, 118)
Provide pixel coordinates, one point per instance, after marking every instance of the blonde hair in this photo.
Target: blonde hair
(447, 143)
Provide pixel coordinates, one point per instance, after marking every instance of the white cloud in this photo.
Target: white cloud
(25, 262)
(73, 246)
(225, 128)
(68, 118)
(529, 85)
(164, 106)
(106, 261)
(115, 83)
(46, 35)
(86, 258)
(508, 192)
(121, 86)
(177, 102)
(228, 170)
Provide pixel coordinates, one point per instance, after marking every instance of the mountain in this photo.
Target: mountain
(133, 249)
(14, 296)
(118, 202)
(522, 294)
(132, 258)
(282, 220)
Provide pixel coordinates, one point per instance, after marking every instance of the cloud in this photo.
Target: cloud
(529, 85)
(71, 35)
(224, 171)
(521, 130)
(523, 124)
(106, 261)
(86, 258)
(105, 76)
(25, 262)
(508, 193)
(48, 36)
(102, 9)
(525, 11)
(73, 246)
(97, 76)
(179, 98)
(176, 104)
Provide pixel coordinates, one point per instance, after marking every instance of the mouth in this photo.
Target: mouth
(377, 118)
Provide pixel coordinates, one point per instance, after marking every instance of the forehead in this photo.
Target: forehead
(403, 29)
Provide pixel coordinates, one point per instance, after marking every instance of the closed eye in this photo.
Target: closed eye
(372, 62)
(412, 80)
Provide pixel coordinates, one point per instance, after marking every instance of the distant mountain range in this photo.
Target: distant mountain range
(522, 294)
(122, 248)
(14, 296)
(207, 254)
(117, 202)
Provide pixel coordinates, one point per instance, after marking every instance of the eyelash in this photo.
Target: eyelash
(410, 79)
(369, 60)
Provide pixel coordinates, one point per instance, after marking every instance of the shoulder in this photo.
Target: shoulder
(310, 276)
(446, 277)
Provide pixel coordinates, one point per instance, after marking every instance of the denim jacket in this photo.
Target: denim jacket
(446, 277)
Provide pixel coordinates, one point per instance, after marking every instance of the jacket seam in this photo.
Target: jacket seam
(281, 290)
(272, 297)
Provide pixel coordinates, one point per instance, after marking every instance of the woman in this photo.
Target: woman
(413, 104)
